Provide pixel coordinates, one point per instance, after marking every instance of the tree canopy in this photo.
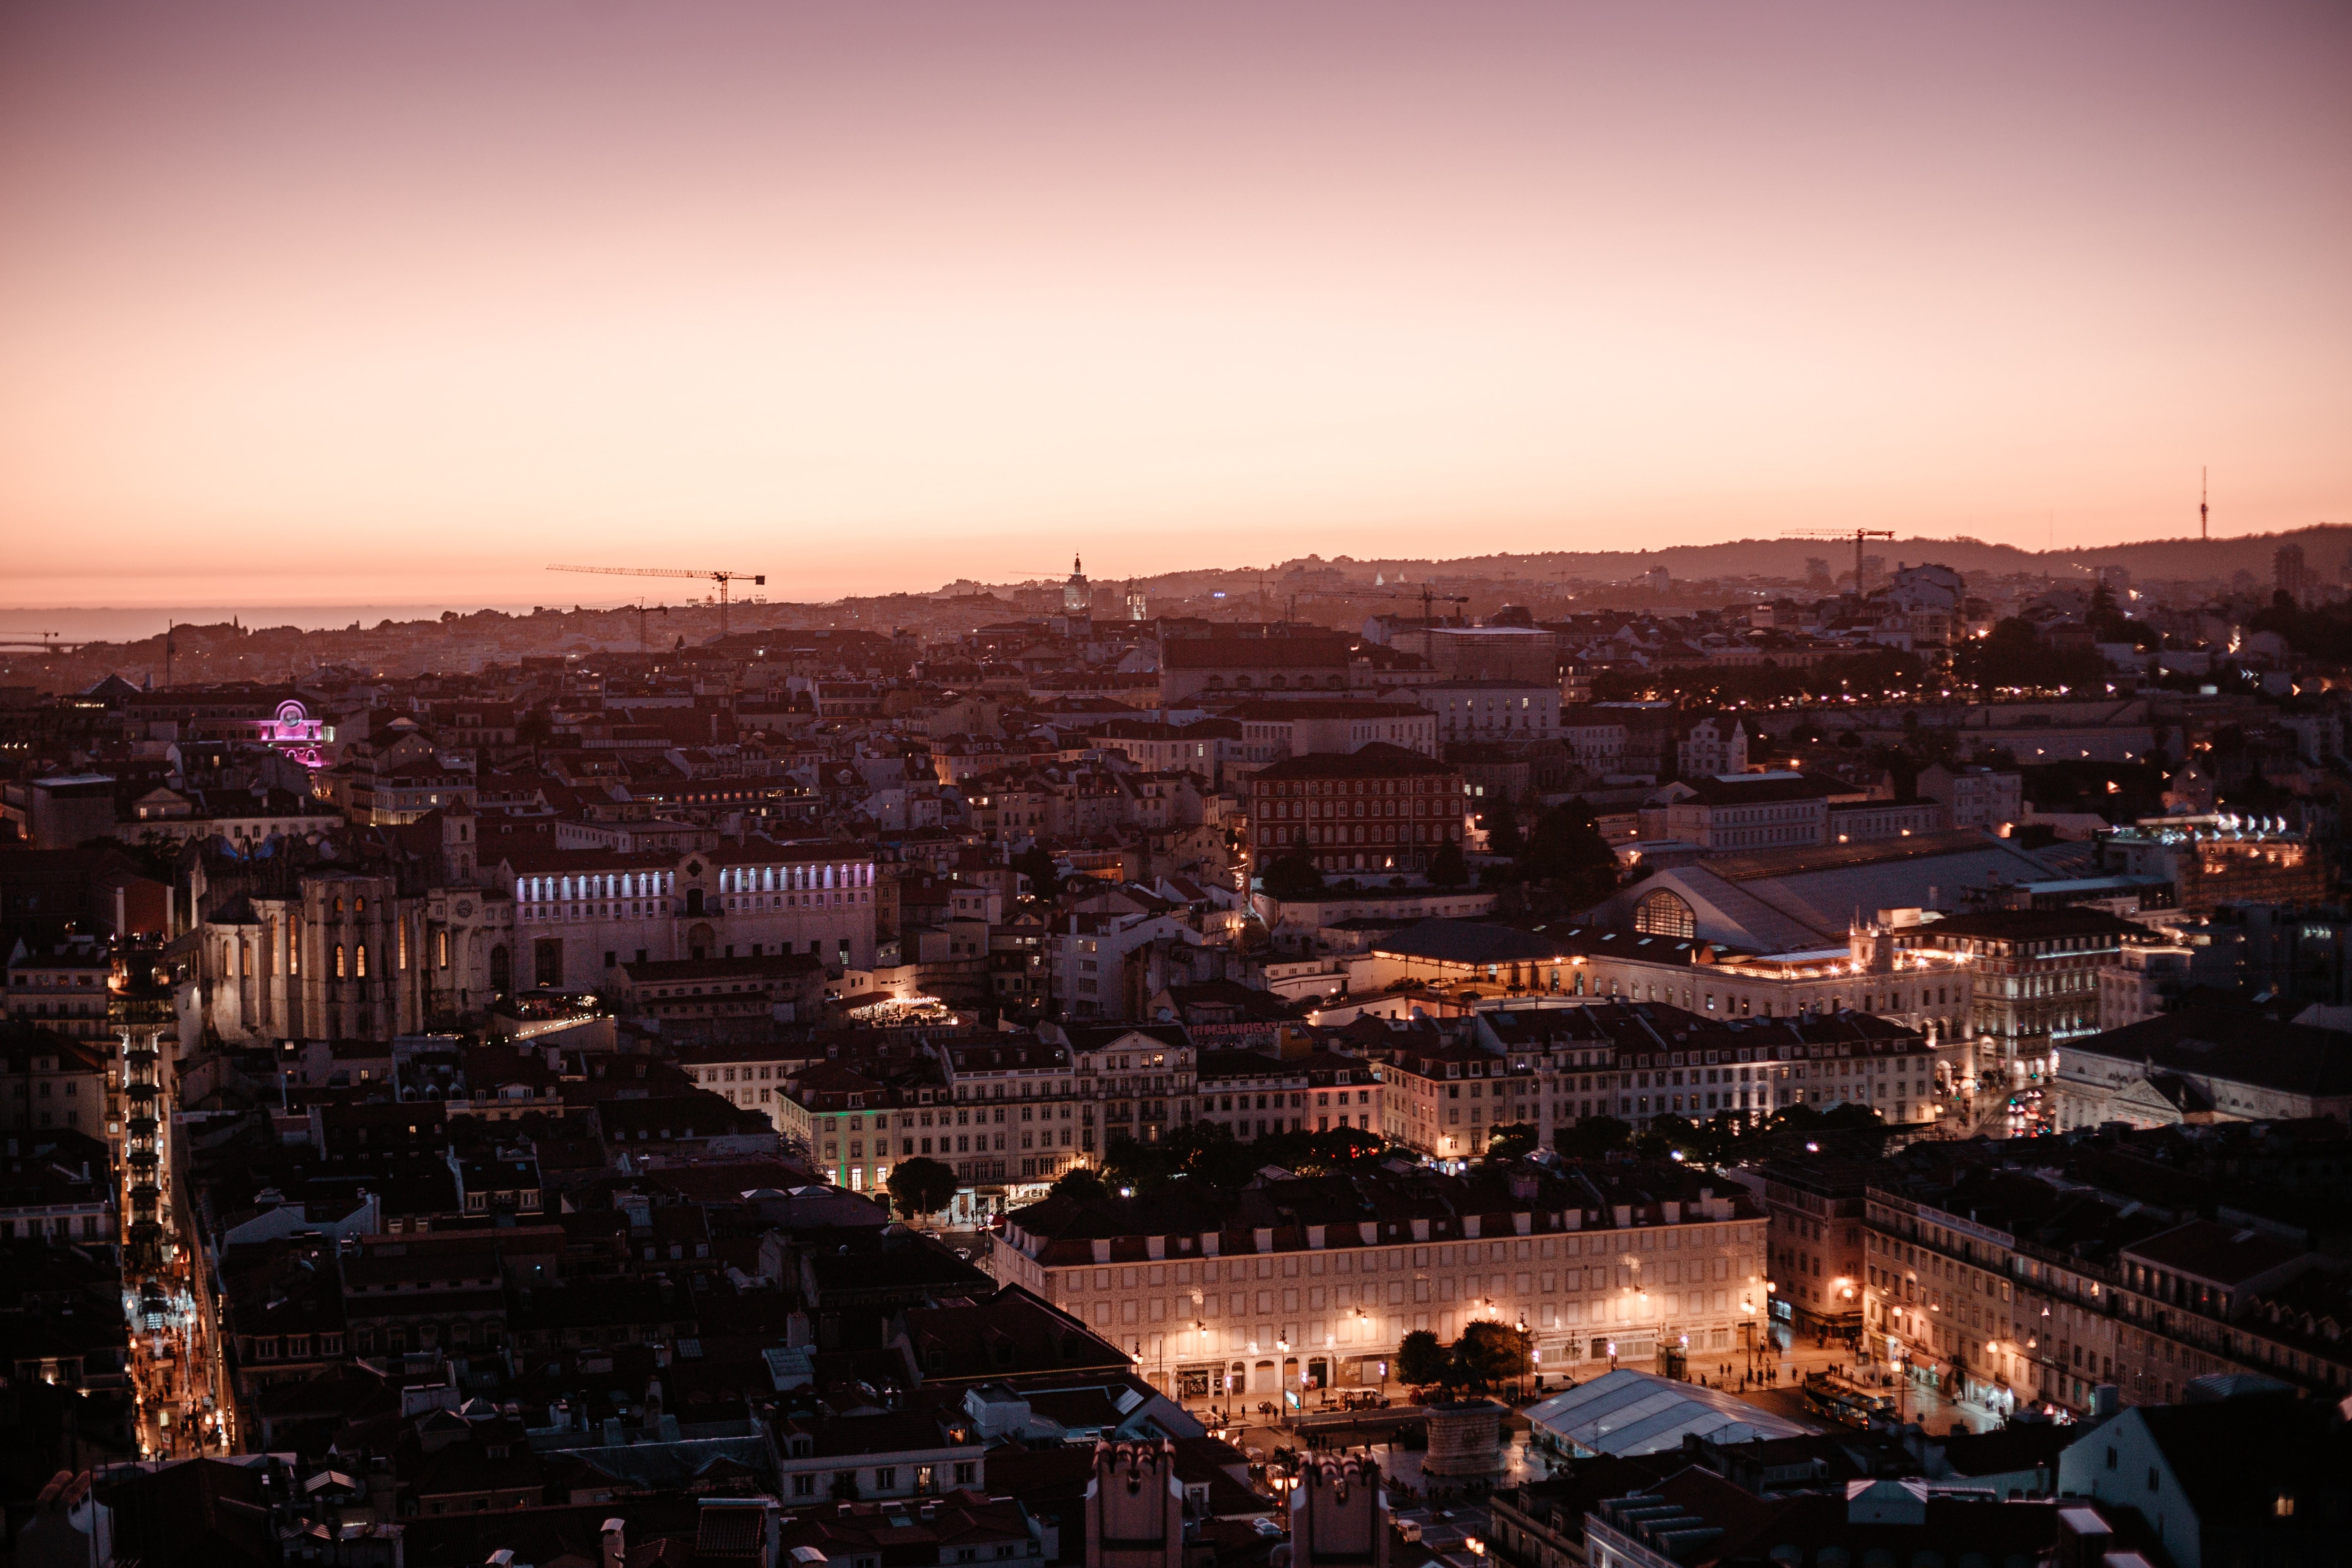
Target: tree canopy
(1512, 1141)
(1421, 1358)
(1490, 1355)
(1567, 851)
(1292, 876)
(921, 1186)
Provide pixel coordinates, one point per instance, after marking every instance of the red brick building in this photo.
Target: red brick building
(1380, 809)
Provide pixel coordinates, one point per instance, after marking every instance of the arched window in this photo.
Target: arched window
(360, 952)
(1663, 914)
(339, 961)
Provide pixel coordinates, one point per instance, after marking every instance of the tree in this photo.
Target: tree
(921, 1186)
(1036, 863)
(1421, 1359)
(2015, 655)
(1503, 835)
(1446, 868)
(1314, 1154)
(1079, 1183)
(1592, 1137)
(1510, 1142)
(1566, 850)
(1293, 876)
(1491, 1355)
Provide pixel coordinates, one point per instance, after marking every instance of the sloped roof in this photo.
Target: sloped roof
(1468, 941)
(1625, 1413)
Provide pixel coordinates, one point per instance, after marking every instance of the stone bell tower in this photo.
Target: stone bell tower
(1135, 1507)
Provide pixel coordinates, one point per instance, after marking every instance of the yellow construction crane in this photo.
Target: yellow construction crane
(721, 578)
(1856, 534)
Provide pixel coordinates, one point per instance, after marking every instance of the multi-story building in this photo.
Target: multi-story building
(2202, 1065)
(1492, 709)
(1256, 1094)
(754, 1075)
(1596, 744)
(718, 998)
(2212, 860)
(1880, 970)
(1875, 821)
(1550, 1068)
(1817, 1206)
(1986, 798)
(1738, 813)
(2015, 1288)
(1086, 954)
(1140, 1078)
(2035, 984)
(1381, 809)
(2146, 980)
(579, 914)
(50, 1081)
(1306, 1284)
(1273, 731)
(1193, 668)
(61, 987)
(1714, 747)
(1029, 1086)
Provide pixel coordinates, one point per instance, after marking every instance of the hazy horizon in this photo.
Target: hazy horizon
(326, 304)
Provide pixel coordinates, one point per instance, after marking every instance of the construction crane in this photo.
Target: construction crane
(721, 578)
(661, 610)
(1856, 534)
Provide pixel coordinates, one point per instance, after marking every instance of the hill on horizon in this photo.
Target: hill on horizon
(2326, 547)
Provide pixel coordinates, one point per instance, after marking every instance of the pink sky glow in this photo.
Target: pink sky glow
(364, 301)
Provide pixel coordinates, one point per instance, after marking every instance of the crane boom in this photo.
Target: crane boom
(720, 577)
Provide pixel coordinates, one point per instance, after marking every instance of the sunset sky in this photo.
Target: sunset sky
(397, 301)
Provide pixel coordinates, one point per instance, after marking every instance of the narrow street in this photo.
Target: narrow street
(175, 1361)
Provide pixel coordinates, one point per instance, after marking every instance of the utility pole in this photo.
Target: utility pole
(2204, 513)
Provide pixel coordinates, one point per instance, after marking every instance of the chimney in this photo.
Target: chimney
(616, 1553)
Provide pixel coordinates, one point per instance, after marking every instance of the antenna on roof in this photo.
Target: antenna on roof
(2204, 513)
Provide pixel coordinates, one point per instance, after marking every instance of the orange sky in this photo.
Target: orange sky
(308, 303)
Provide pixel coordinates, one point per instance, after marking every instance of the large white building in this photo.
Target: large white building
(579, 914)
(1301, 1285)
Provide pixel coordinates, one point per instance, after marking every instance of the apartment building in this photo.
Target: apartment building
(1381, 808)
(1986, 798)
(1596, 745)
(1738, 813)
(2035, 984)
(1469, 710)
(1817, 1205)
(1302, 1284)
(61, 987)
(854, 1119)
(2030, 1288)
(1273, 731)
(754, 1075)
(700, 998)
(1550, 1068)
(1254, 1094)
